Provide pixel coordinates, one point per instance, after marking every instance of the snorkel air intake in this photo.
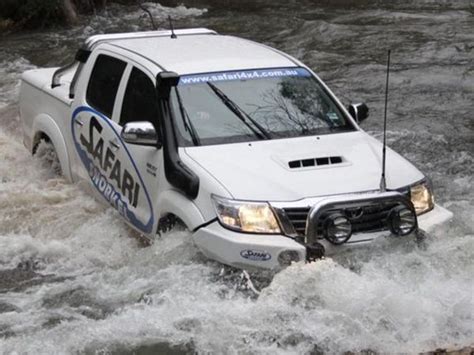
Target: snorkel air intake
(177, 173)
(80, 59)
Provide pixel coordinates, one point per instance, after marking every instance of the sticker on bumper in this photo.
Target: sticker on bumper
(255, 255)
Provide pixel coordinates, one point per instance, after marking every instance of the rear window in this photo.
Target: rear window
(104, 82)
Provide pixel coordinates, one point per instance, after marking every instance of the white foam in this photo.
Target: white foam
(99, 289)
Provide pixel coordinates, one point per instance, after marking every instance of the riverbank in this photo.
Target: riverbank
(17, 15)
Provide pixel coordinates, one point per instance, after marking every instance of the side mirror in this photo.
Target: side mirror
(140, 133)
(359, 111)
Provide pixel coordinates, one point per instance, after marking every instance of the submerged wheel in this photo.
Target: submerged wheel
(44, 150)
(170, 222)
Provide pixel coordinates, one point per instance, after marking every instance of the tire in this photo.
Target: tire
(170, 222)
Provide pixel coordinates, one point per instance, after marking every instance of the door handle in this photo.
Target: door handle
(114, 144)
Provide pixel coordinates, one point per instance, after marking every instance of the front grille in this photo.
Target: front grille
(374, 217)
(297, 217)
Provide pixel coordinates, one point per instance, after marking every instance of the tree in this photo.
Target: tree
(19, 14)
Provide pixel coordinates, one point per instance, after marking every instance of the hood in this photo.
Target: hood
(297, 168)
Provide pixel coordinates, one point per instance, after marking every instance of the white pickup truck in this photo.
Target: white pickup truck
(241, 142)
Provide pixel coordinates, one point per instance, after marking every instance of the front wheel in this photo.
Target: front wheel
(170, 222)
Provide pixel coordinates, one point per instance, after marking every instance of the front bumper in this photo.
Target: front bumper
(246, 251)
(427, 222)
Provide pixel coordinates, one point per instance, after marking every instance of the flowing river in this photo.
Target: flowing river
(75, 279)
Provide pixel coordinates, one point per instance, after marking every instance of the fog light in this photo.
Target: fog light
(337, 229)
(287, 257)
(402, 220)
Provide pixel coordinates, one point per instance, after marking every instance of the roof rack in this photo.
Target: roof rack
(94, 40)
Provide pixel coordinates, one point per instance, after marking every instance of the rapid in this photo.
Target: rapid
(75, 279)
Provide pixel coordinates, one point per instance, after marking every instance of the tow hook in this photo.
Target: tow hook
(314, 251)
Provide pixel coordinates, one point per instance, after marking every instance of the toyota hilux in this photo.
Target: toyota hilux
(243, 144)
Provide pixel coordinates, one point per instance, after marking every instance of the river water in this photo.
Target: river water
(75, 279)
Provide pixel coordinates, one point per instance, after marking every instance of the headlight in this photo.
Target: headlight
(421, 197)
(244, 216)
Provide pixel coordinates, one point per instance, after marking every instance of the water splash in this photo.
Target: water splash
(73, 277)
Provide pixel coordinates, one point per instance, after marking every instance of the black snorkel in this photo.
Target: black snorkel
(177, 173)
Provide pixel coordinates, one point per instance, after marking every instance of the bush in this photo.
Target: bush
(41, 13)
(44, 13)
(33, 13)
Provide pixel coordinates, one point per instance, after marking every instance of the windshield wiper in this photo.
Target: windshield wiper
(241, 114)
(188, 125)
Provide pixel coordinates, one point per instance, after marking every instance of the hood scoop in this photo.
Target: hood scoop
(316, 162)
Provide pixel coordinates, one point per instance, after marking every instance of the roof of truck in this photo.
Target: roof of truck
(199, 51)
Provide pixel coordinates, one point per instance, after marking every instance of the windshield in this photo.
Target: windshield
(253, 105)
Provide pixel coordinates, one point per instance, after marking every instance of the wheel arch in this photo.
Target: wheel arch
(173, 203)
(44, 127)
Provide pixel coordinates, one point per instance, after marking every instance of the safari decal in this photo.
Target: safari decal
(112, 172)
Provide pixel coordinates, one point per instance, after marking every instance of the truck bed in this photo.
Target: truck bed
(41, 79)
(39, 102)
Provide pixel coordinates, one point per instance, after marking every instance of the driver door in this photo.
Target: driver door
(124, 175)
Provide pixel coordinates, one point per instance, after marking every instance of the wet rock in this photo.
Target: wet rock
(28, 265)
(188, 325)
(317, 350)
(52, 322)
(146, 349)
(81, 300)
(7, 307)
(74, 298)
(95, 313)
(293, 339)
(146, 299)
(23, 277)
(14, 279)
(6, 332)
(55, 321)
(362, 352)
(469, 350)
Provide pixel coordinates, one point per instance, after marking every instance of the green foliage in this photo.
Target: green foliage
(41, 12)
(20, 14)
(8, 8)
(32, 13)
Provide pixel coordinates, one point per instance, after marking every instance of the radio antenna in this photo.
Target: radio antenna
(144, 8)
(383, 184)
(173, 35)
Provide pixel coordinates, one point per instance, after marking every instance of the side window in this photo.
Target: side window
(139, 102)
(104, 82)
